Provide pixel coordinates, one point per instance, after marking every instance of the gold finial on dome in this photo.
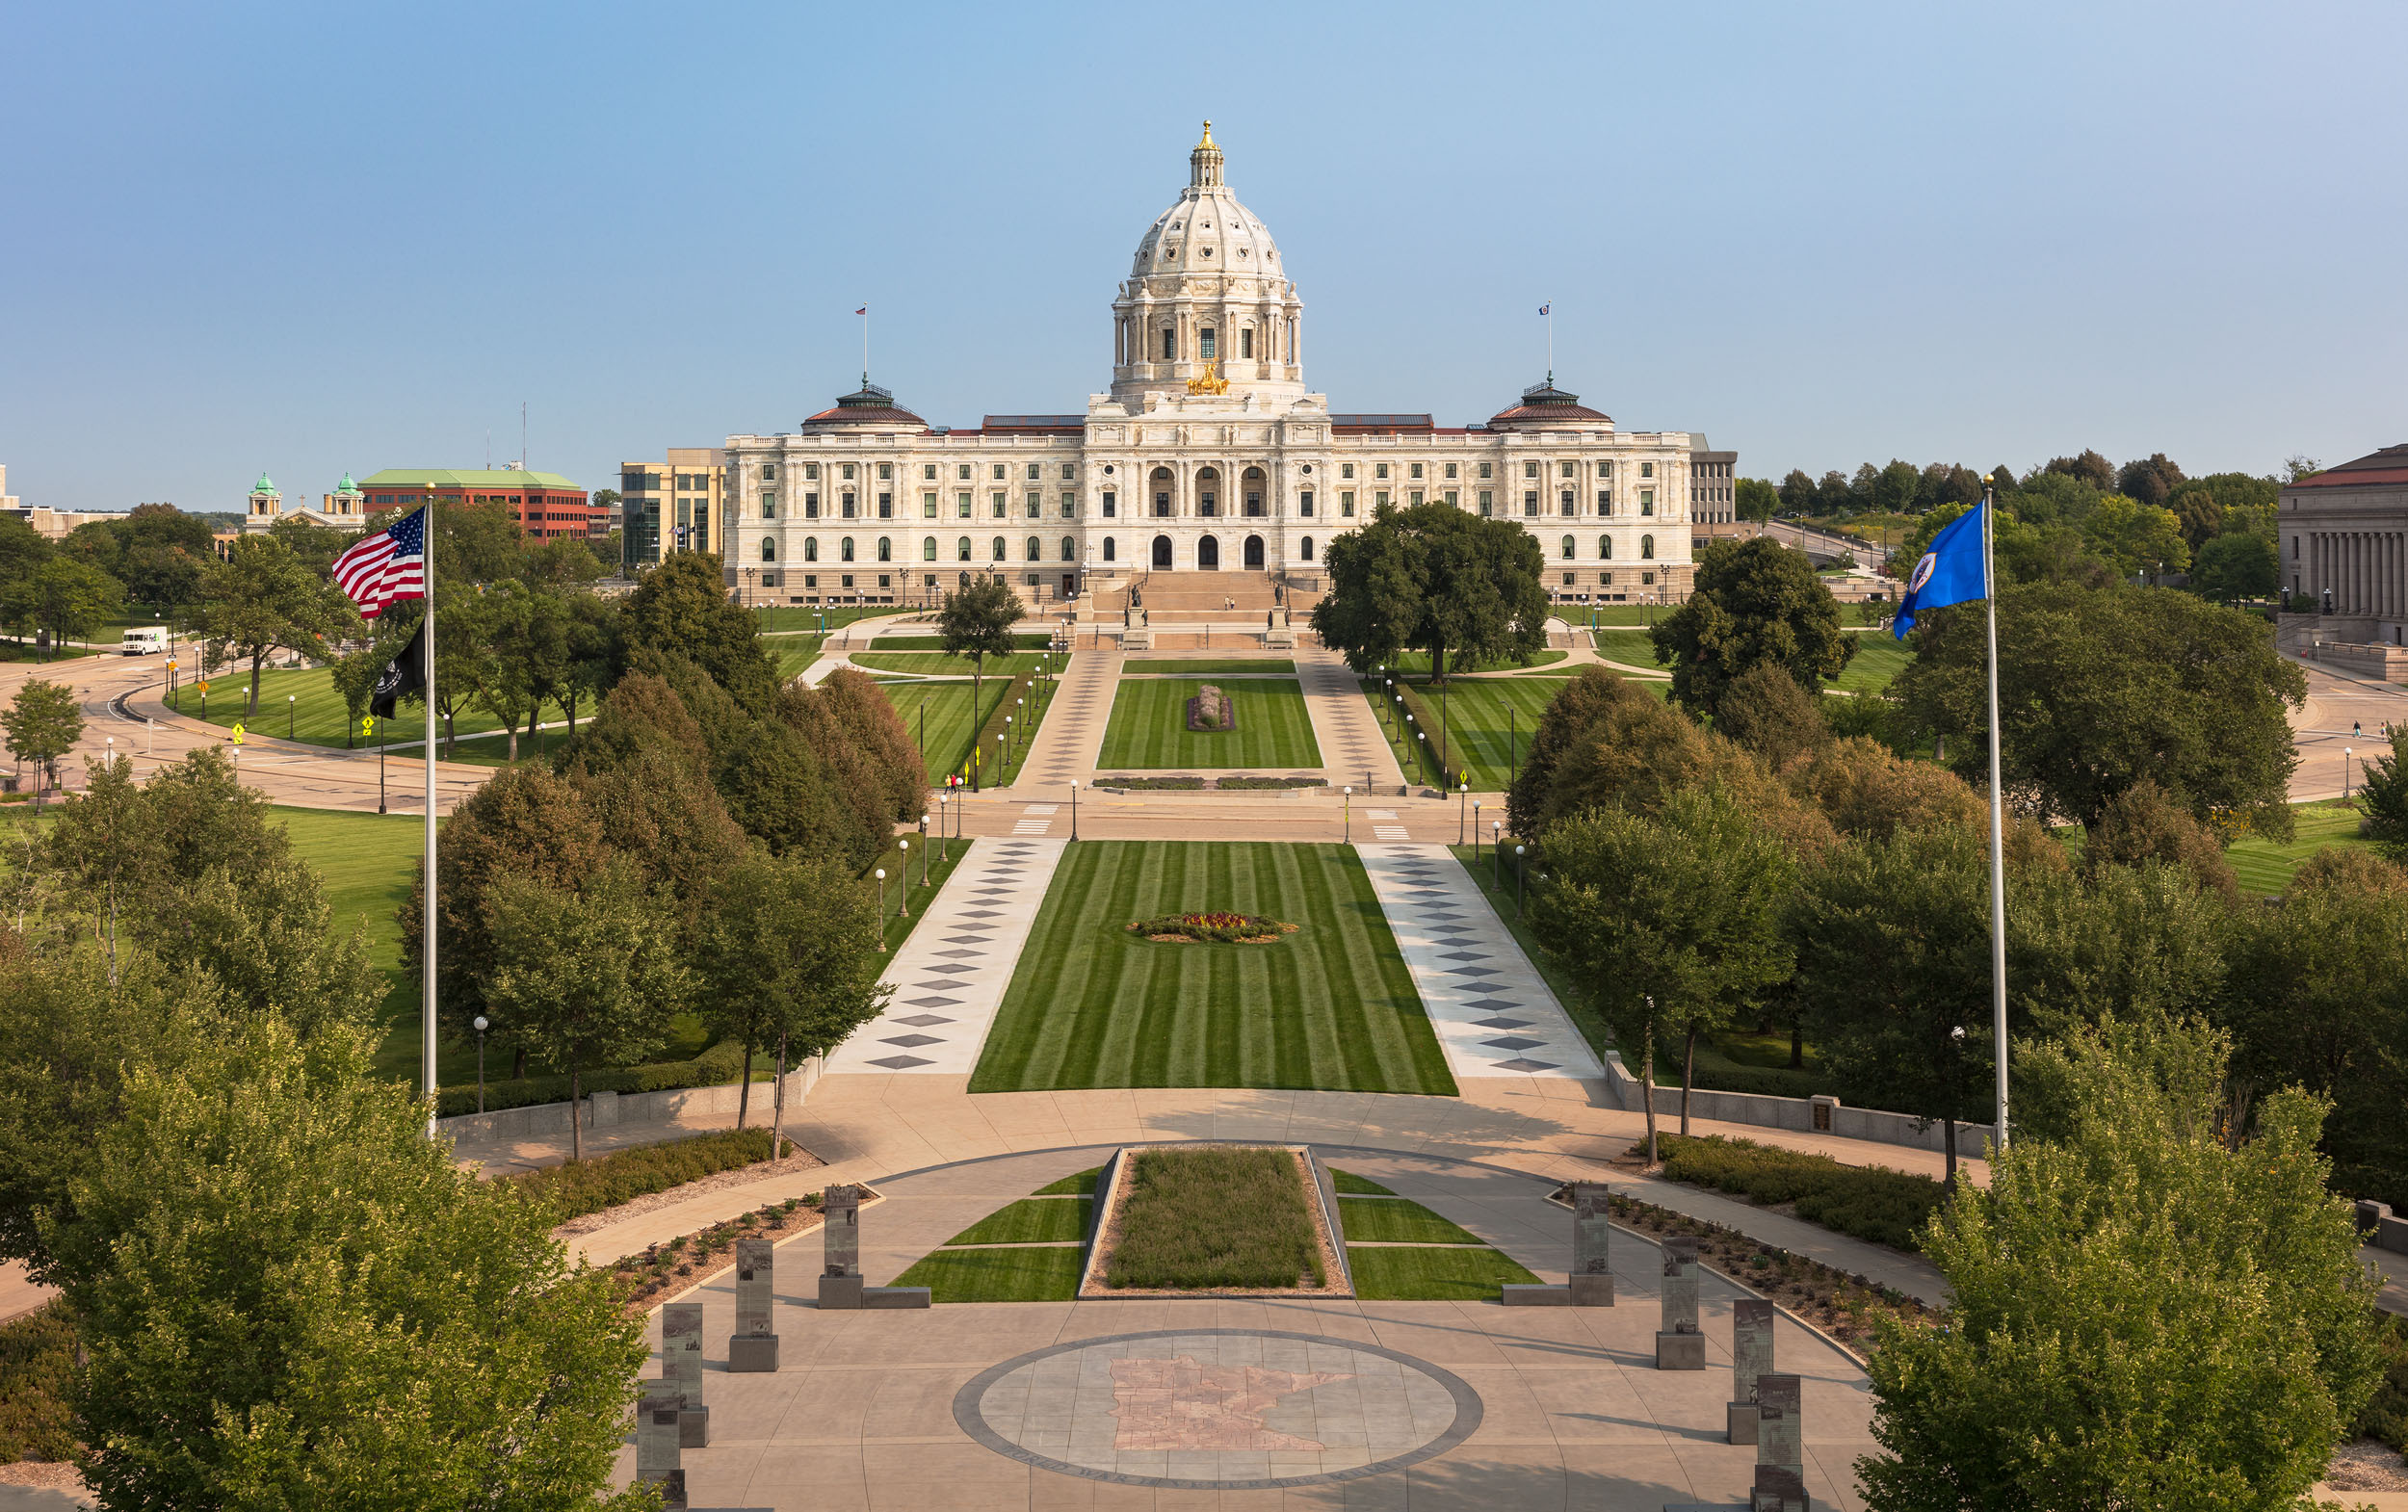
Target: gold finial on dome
(1204, 162)
(1208, 141)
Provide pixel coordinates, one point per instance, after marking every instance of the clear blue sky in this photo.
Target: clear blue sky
(315, 238)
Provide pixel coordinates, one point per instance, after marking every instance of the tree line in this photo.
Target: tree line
(2196, 1072)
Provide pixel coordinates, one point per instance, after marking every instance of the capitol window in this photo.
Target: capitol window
(1380, 500)
(1568, 551)
(1647, 501)
(996, 505)
(927, 549)
(1605, 468)
(885, 549)
(769, 550)
(850, 511)
(1346, 469)
(962, 472)
(1304, 503)
(1035, 471)
(1647, 548)
(1529, 469)
(1380, 470)
(1647, 469)
(769, 472)
(810, 549)
(1346, 503)
(1068, 471)
(1109, 551)
(1111, 506)
(1069, 549)
(928, 472)
(961, 549)
(810, 506)
(961, 504)
(811, 471)
(1245, 342)
(844, 549)
(1036, 506)
(928, 507)
(1484, 469)
(1485, 502)
(1308, 548)
(1450, 472)
(1604, 547)
(1569, 507)
(885, 506)
(1567, 470)
(1604, 501)
(887, 472)
(1069, 506)
(849, 472)
(1417, 496)
(1530, 504)
(1035, 551)
(769, 506)
(1001, 554)
(1169, 336)
(1204, 343)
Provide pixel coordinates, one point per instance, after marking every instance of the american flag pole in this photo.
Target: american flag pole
(426, 955)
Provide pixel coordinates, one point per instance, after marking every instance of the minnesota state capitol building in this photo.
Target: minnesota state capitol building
(1207, 454)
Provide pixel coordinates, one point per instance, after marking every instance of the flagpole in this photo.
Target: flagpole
(865, 346)
(427, 936)
(1998, 856)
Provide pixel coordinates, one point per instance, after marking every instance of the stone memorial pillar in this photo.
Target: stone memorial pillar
(1780, 1444)
(681, 1366)
(840, 1274)
(753, 1345)
(1593, 1226)
(658, 1456)
(1679, 1345)
(1751, 1358)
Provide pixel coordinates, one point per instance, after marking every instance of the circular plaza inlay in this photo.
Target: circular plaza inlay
(1218, 1408)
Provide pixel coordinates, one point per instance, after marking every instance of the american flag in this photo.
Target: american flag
(389, 565)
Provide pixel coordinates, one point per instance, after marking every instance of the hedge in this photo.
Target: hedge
(1864, 1202)
(2385, 1414)
(579, 1187)
(37, 1377)
(717, 1066)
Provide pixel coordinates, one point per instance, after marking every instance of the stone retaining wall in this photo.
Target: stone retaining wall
(609, 1110)
(1804, 1114)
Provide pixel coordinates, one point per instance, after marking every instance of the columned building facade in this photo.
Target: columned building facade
(1206, 453)
(2344, 538)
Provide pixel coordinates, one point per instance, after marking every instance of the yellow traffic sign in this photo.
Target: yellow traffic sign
(366, 724)
(237, 733)
(202, 684)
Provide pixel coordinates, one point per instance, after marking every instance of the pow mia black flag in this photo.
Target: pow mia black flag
(405, 673)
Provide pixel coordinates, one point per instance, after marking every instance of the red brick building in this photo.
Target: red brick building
(544, 505)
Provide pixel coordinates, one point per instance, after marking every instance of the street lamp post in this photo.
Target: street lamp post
(1521, 880)
(924, 851)
(480, 1029)
(2344, 771)
(288, 716)
(882, 908)
(1346, 813)
(1074, 808)
(1475, 832)
(1496, 847)
(902, 898)
(1462, 810)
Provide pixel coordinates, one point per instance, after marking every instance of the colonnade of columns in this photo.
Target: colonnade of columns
(2366, 572)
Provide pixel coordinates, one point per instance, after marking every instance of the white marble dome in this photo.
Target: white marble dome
(1205, 230)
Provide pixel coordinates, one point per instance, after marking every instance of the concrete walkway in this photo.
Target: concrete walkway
(1070, 742)
(950, 977)
(1493, 1012)
(1353, 750)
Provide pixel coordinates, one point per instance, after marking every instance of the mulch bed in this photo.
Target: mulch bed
(661, 1272)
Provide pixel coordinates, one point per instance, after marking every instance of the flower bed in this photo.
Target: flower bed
(1210, 711)
(667, 1268)
(1212, 929)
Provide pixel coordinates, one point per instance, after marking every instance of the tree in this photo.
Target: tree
(588, 643)
(2232, 567)
(2298, 466)
(318, 545)
(528, 636)
(73, 598)
(2141, 825)
(477, 542)
(1765, 712)
(262, 598)
(290, 1297)
(2100, 689)
(1799, 494)
(976, 621)
(355, 678)
(1868, 790)
(2088, 468)
(587, 972)
(2143, 1315)
(2134, 537)
(2222, 503)
(1756, 602)
(1892, 946)
(22, 552)
(1437, 579)
(1896, 486)
(682, 608)
(162, 575)
(2383, 796)
(1603, 742)
(44, 724)
(790, 957)
(2150, 480)
(1755, 499)
(1668, 922)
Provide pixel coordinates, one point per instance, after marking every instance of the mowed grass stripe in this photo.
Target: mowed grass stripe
(1149, 727)
(1330, 1006)
(949, 726)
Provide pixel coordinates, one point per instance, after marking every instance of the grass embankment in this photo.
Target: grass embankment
(319, 717)
(1210, 667)
(793, 654)
(1329, 1006)
(1149, 727)
(1214, 1219)
(1416, 663)
(1026, 639)
(941, 721)
(1047, 1235)
(1399, 1251)
(1866, 1202)
(2266, 867)
(937, 663)
(1484, 725)
(801, 616)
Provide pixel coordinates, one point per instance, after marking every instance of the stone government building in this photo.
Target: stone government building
(1207, 454)
(2344, 538)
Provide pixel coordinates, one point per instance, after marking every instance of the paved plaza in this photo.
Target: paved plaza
(1252, 1403)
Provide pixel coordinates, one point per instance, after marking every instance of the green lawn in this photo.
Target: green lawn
(937, 663)
(1149, 728)
(1047, 1274)
(1610, 614)
(23, 651)
(799, 616)
(1629, 647)
(1213, 1217)
(938, 864)
(1394, 1220)
(1437, 1274)
(318, 716)
(1083, 1185)
(1349, 1184)
(1330, 1006)
(1212, 666)
(1028, 640)
(2266, 867)
(940, 720)
(1488, 720)
(793, 654)
(1031, 1220)
(1878, 660)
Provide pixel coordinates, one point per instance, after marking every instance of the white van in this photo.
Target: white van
(143, 641)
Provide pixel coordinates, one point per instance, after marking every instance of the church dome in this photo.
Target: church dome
(1205, 230)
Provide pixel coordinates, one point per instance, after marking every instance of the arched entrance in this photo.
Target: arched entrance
(1208, 555)
(1254, 554)
(1161, 554)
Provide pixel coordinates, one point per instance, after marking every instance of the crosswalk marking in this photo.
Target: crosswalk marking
(1388, 832)
(1042, 808)
(1033, 826)
(1381, 813)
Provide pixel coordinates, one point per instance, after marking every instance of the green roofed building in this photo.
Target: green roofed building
(544, 505)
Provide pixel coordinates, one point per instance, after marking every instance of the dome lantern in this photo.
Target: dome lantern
(1205, 162)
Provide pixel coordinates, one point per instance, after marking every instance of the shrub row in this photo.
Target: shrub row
(37, 1377)
(579, 1187)
(1174, 784)
(1245, 784)
(716, 1066)
(1864, 1202)
(679, 1262)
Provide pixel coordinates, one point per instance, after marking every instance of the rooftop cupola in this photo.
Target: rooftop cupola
(1204, 162)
